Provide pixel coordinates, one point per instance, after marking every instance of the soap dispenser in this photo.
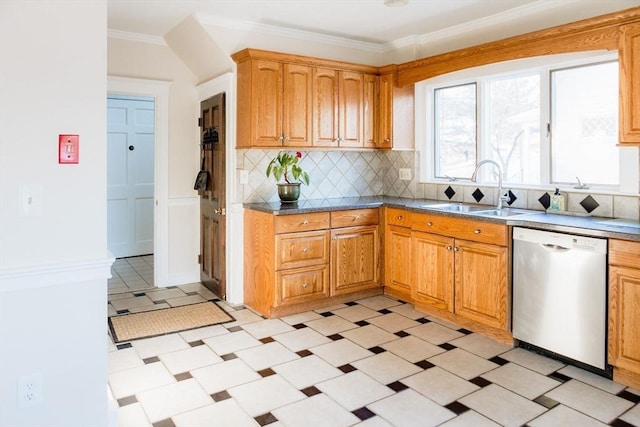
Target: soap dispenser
(557, 202)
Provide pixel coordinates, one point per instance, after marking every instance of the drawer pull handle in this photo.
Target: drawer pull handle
(305, 222)
(477, 231)
(429, 224)
(305, 250)
(449, 247)
(356, 217)
(304, 285)
(400, 217)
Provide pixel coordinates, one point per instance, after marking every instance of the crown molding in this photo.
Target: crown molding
(273, 30)
(136, 37)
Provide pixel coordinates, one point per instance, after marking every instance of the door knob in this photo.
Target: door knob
(222, 211)
(131, 148)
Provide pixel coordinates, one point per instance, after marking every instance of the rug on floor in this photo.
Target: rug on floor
(153, 323)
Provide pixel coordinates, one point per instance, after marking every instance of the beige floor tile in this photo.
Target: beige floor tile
(159, 345)
(561, 416)
(533, 361)
(146, 377)
(502, 406)
(133, 415)
(301, 339)
(408, 311)
(592, 379)
(266, 356)
(374, 422)
(149, 308)
(202, 333)
(369, 336)
(356, 313)
(379, 302)
(164, 402)
(331, 308)
(439, 385)
(164, 294)
(354, 390)
(462, 363)
(188, 359)
(632, 416)
(386, 367)
(274, 393)
(523, 381)
(319, 411)
(267, 328)
(243, 317)
(185, 300)
(132, 302)
(412, 349)
(307, 371)
(434, 333)
(222, 376)
(341, 352)
(590, 400)
(229, 343)
(226, 414)
(480, 345)
(393, 322)
(124, 359)
(295, 319)
(331, 325)
(470, 419)
(409, 408)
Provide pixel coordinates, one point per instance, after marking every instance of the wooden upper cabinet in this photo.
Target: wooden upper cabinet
(371, 111)
(325, 107)
(397, 112)
(351, 111)
(386, 110)
(297, 105)
(629, 60)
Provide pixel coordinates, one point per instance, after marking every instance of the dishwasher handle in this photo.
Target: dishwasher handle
(554, 248)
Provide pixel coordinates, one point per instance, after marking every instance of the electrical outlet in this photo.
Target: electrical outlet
(405, 174)
(29, 390)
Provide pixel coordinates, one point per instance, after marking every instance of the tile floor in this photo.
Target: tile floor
(131, 274)
(373, 362)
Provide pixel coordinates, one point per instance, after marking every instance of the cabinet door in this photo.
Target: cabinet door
(624, 318)
(432, 278)
(297, 105)
(371, 111)
(325, 107)
(266, 107)
(397, 249)
(354, 259)
(480, 285)
(629, 57)
(351, 116)
(303, 284)
(386, 111)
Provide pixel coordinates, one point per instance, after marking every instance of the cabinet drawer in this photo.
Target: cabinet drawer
(354, 217)
(302, 249)
(303, 284)
(398, 217)
(624, 253)
(302, 222)
(461, 228)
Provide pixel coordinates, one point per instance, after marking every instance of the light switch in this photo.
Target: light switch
(68, 146)
(30, 200)
(404, 174)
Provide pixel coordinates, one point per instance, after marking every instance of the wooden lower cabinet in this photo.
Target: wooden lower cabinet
(432, 260)
(624, 311)
(397, 254)
(354, 259)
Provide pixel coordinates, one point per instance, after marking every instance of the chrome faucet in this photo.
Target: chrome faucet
(501, 196)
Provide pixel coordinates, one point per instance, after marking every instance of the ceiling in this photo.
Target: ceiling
(368, 21)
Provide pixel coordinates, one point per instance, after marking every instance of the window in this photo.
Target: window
(544, 125)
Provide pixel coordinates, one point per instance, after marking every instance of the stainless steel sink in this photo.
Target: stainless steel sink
(503, 213)
(455, 207)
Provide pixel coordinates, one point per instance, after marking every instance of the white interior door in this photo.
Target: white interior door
(130, 175)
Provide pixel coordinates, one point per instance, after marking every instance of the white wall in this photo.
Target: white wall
(53, 265)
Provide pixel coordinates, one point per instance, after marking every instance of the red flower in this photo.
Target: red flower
(298, 154)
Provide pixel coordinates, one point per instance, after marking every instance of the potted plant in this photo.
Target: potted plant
(285, 167)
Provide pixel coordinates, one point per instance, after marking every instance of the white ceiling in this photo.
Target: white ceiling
(360, 20)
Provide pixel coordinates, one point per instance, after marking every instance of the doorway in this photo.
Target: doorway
(130, 175)
(212, 194)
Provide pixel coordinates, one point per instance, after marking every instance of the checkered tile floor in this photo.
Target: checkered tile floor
(373, 362)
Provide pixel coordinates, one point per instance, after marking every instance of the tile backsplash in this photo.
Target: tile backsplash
(376, 173)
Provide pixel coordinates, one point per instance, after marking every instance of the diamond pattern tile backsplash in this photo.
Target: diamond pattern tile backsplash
(376, 173)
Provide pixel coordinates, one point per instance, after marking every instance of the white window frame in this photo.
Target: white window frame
(629, 167)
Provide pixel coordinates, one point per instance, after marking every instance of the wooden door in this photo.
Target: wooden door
(325, 107)
(354, 259)
(297, 105)
(371, 111)
(624, 318)
(397, 249)
(266, 107)
(130, 175)
(212, 200)
(481, 282)
(351, 116)
(432, 260)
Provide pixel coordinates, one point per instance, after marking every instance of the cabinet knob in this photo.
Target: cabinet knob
(449, 247)
(356, 217)
(429, 224)
(456, 249)
(305, 222)
(305, 250)
(281, 138)
(477, 231)
(400, 217)
(286, 138)
(304, 285)
(387, 140)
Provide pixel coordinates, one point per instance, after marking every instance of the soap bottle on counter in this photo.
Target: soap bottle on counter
(557, 202)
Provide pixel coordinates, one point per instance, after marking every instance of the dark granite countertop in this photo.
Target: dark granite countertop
(567, 223)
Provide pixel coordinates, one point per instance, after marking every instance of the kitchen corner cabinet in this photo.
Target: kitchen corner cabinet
(397, 254)
(624, 311)
(460, 267)
(300, 262)
(629, 63)
(397, 116)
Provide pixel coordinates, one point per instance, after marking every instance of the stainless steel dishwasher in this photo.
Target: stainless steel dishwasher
(560, 294)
